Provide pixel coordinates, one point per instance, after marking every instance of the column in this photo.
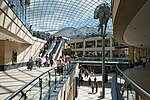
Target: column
(83, 47)
(137, 52)
(96, 46)
(75, 45)
(145, 52)
(111, 47)
(131, 56)
(141, 52)
(148, 54)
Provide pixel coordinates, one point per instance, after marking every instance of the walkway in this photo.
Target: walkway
(84, 93)
(140, 75)
(12, 80)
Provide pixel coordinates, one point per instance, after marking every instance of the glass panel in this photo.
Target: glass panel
(54, 15)
(45, 86)
(34, 92)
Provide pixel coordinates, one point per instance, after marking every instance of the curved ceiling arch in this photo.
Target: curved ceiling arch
(138, 30)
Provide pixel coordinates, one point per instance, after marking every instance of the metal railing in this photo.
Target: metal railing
(42, 86)
(99, 60)
(129, 84)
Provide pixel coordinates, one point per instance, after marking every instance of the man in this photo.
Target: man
(89, 81)
(96, 86)
(92, 86)
(30, 63)
(144, 61)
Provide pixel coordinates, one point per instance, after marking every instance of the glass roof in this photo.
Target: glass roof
(55, 15)
(83, 32)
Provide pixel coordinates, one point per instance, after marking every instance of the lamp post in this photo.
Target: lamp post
(102, 12)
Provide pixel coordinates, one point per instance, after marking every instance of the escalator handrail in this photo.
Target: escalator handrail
(58, 48)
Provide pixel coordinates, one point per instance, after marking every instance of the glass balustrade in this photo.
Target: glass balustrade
(128, 88)
(120, 60)
(43, 86)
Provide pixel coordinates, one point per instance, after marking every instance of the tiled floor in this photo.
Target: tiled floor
(85, 91)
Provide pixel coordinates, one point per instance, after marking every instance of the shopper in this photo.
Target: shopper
(51, 59)
(30, 64)
(89, 81)
(92, 87)
(96, 87)
(144, 61)
(95, 80)
(136, 62)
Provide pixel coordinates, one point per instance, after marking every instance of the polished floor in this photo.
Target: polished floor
(140, 75)
(85, 91)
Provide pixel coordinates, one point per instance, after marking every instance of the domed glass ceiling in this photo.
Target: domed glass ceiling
(55, 15)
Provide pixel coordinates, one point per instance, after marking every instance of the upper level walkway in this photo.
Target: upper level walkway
(140, 75)
(12, 80)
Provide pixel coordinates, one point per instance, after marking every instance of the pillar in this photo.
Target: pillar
(148, 54)
(84, 47)
(136, 52)
(141, 52)
(111, 47)
(131, 56)
(96, 46)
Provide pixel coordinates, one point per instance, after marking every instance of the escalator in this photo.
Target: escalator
(55, 50)
(50, 49)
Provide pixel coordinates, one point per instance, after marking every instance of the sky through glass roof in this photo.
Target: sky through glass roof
(54, 15)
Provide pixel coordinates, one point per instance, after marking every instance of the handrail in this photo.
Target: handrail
(145, 95)
(53, 79)
(101, 58)
(57, 52)
(58, 49)
(26, 85)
